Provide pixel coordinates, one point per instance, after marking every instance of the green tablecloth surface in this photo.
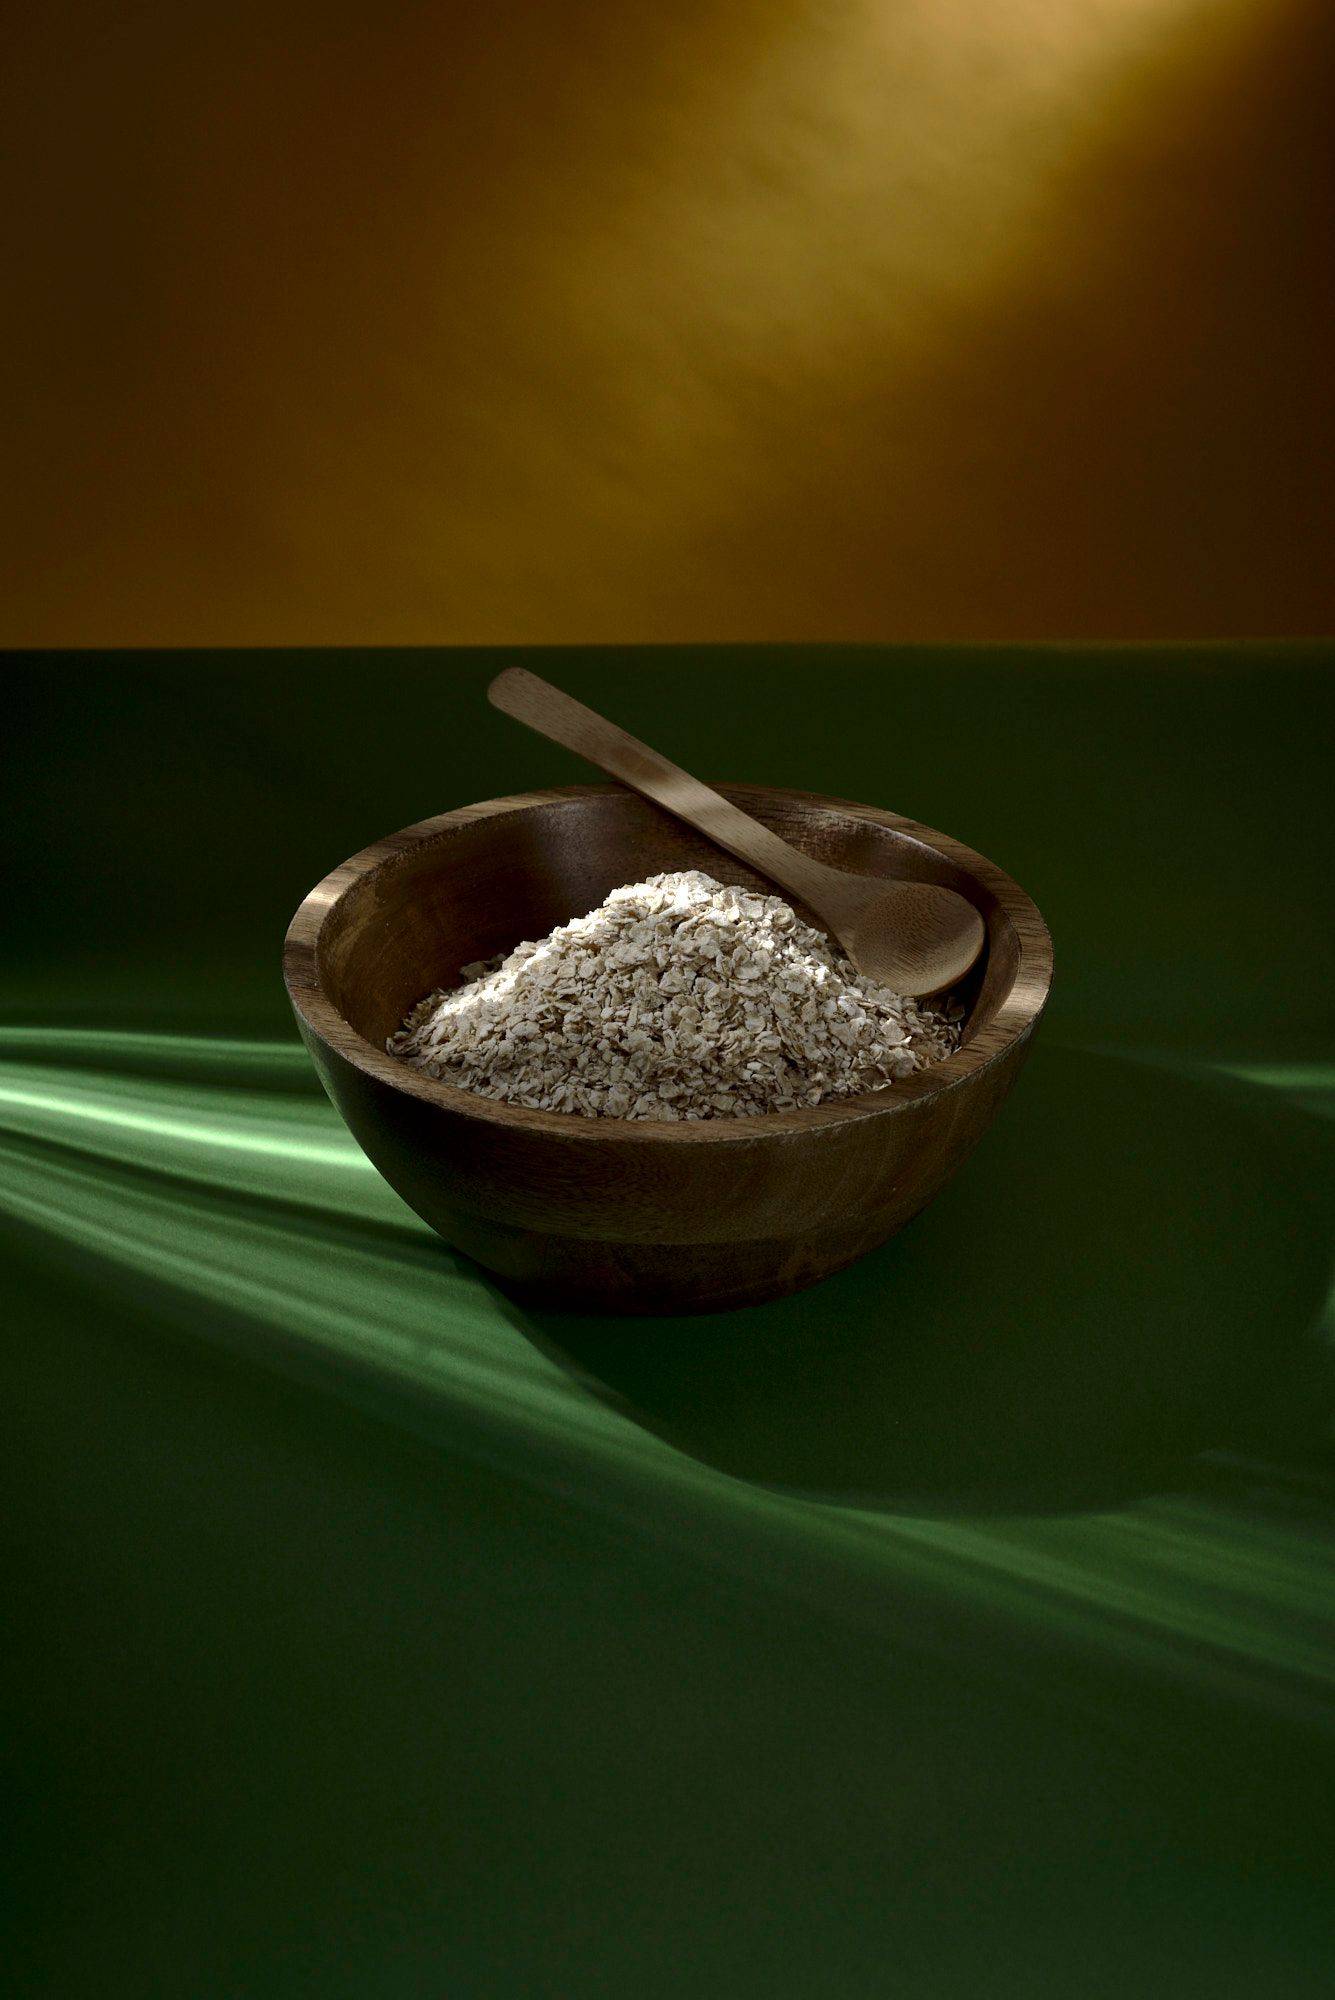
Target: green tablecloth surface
(961, 1626)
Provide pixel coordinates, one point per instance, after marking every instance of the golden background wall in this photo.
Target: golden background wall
(997, 319)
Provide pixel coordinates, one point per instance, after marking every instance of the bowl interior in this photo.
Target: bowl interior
(475, 887)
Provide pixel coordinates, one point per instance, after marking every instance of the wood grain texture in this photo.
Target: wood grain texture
(636, 1216)
(917, 938)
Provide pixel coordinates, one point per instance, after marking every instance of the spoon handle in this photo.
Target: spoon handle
(558, 716)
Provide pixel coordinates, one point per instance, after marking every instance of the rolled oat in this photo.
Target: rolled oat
(678, 998)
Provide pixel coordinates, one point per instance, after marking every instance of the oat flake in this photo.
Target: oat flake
(677, 998)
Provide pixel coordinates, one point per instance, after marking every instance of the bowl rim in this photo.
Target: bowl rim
(1014, 1020)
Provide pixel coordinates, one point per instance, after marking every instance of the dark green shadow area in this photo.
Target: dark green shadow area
(360, 1713)
(1129, 1273)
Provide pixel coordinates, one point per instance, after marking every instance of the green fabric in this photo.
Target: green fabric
(960, 1626)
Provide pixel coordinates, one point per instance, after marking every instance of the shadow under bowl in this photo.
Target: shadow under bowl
(639, 1216)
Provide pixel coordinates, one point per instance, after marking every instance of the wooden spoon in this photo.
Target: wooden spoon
(914, 937)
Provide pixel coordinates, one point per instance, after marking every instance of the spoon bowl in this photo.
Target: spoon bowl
(893, 931)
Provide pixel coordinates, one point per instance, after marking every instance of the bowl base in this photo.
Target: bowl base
(644, 1280)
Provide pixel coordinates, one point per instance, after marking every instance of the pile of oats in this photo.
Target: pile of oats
(677, 998)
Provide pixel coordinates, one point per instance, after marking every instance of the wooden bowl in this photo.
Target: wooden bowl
(637, 1216)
